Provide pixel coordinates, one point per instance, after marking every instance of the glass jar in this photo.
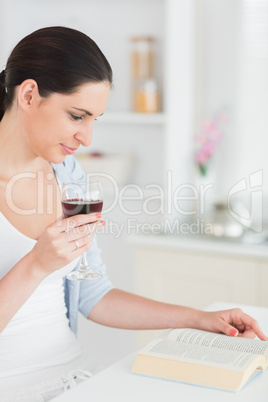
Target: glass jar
(146, 95)
(146, 98)
(142, 57)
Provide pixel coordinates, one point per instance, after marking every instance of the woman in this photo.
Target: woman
(55, 84)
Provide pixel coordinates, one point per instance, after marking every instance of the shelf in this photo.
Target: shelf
(133, 118)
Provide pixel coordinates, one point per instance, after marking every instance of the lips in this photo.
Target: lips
(68, 150)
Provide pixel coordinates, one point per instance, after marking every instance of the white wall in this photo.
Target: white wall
(232, 74)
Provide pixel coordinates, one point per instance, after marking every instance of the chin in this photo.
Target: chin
(57, 159)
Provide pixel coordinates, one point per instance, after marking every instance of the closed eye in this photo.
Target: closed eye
(76, 117)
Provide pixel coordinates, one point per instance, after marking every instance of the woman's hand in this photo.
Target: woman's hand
(63, 241)
(233, 322)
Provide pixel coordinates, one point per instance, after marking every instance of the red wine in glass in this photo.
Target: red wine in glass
(82, 197)
(75, 206)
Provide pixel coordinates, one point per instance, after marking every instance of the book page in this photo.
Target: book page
(212, 340)
(168, 349)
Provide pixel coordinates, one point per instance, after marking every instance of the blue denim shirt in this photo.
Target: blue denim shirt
(82, 296)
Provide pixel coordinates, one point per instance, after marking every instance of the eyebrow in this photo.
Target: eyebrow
(85, 111)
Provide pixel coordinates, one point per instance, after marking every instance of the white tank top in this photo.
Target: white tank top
(38, 336)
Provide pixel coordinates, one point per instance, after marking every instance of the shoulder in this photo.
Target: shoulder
(69, 170)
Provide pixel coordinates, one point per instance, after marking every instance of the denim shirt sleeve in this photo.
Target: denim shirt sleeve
(82, 296)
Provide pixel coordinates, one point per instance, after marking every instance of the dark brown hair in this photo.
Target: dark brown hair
(59, 59)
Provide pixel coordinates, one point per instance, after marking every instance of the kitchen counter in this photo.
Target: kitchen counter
(195, 270)
(247, 246)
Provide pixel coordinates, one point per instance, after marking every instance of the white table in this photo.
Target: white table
(117, 383)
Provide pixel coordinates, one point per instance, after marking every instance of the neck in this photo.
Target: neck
(15, 152)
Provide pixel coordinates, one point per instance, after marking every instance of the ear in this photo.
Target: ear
(28, 94)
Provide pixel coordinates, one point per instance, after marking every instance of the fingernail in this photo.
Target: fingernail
(98, 215)
(102, 222)
(233, 332)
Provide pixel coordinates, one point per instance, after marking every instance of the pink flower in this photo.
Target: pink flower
(207, 141)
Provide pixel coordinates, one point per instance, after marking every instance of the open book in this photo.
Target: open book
(203, 358)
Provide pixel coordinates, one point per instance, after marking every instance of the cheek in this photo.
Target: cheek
(37, 122)
(41, 132)
(50, 128)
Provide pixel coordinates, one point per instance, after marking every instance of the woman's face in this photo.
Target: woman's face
(59, 124)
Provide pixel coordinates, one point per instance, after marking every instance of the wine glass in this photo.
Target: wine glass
(82, 197)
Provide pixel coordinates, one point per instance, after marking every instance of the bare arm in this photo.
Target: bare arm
(16, 287)
(121, 309)
(54, 249)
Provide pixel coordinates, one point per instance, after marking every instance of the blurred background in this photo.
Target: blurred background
(181, 148)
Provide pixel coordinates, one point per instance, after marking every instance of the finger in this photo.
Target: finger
(244, 322)
(77, 245)
(249, 333)
(83, 244)
(252, 324)
(227, 329)
(69, 224)
(84, 230)
(94, 227)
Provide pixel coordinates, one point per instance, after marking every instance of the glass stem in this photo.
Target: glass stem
(84, 264)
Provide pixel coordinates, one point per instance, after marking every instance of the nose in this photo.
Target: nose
(84, 135)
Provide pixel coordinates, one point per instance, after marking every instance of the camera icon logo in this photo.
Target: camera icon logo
(251, 218)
